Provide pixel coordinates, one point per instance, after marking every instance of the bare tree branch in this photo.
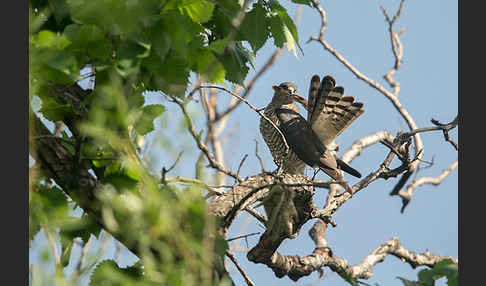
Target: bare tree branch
(242, 236)
(52, 244)
(407, 194)
(251, 210)
(396, 48)
(360, 144)
(296, 267)
(212, 161)
(243, 273)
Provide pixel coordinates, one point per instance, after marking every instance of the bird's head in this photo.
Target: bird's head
(285, 93)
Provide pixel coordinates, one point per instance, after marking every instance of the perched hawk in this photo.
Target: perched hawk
(312, 141)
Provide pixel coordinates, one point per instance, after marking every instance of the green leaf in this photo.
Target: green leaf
(446, 267)
(49, 39)
(199, 11)
(286, 20)
(178, 72)
(88, 41)
(53, 110)
(452, 281)
(236, 68)
(49, 60)
(254, 27)
(107, 273)
(48, 205)
(181, 29)
(407, 282)
(220, 24)
(426, 277)
(449, 269)
(244, 55)
(81, 227)
(62, 61)
(277, 29)
(229, 5)
(348, 278)
(290, 42)
(121, 176)
(205, 63)
(145, 124)
(60, 10)
(161, 43)
(305, 2)
(219, 46)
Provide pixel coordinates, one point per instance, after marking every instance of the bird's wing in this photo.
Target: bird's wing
(305, 143)
(300, 137)
(333, 112)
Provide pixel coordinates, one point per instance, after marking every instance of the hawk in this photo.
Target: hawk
(311, 142)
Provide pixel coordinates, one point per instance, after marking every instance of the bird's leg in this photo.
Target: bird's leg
(315, 173)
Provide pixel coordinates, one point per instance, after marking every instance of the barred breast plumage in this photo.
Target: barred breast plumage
(291, 164)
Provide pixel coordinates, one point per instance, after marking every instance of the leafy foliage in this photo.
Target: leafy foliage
(129, 47)
(107, 273)
(426, 277)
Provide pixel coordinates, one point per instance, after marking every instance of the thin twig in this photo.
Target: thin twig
(165, 171)
(214, 190)
(258, 157)
(241, 164)
(252, 107)
(212, 161)
(252, 211)
(79, 266)
(52, 244)
(242, 236)
(243, 273)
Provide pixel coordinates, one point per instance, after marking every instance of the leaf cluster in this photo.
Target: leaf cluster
(129, 47)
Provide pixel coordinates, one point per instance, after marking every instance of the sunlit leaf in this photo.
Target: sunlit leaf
(255, 27)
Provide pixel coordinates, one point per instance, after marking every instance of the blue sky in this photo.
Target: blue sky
(429, 89)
